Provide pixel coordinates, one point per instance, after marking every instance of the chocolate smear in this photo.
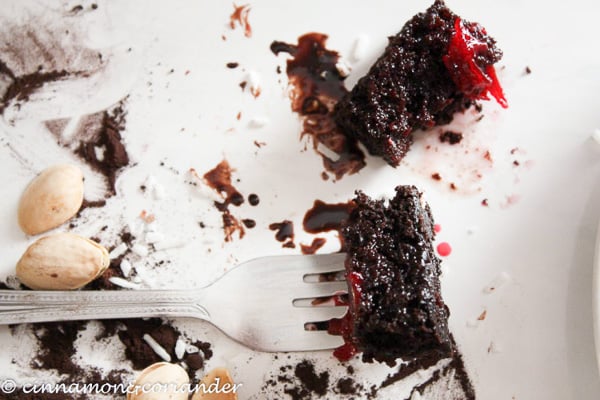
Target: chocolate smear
(284, 232)
(219, 178)
(316, 86)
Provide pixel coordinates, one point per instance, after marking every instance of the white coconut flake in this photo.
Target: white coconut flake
(155, 188)
(596, 136)
(343, 68)
(495, 348)
(154, 237)
(140, 250)
(136, 228)
(179, 348)
(472, 323)
(502, 279)
(118, 251)
(123, 283)
(168, 244)
(359, 48)
(191, 349)
(158, 349)
(258, 122)
(184, 365)
(126, 267)
(253, 82)
(99, 153)
(158, 191)
(71, 127)
(327, 152)
(415, 395)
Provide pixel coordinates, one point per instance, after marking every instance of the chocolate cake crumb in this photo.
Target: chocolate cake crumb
(304, 384)
(57, 346)
(232, 65)
(317, 383)
(131, 332)
(108, 138)
(348, 386)
(451, 137)
(527, 70)
(436, 176)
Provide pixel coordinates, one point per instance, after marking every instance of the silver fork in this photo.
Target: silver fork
(258, 303)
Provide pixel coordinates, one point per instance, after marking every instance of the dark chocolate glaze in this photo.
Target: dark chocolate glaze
(316, 86)
(324, 217)
(312, 248)
(253, 199)
(284, 232)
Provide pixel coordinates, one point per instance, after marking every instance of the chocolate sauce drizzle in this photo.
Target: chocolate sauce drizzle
(219, 178)
(316, 86)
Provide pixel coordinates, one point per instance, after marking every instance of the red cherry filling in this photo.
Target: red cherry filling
(469, 77)
(344, 326)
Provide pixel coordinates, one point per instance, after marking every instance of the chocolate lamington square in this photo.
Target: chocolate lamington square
(435, 66)
(396, 308)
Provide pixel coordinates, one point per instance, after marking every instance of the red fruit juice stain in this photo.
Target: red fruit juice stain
(444, 249)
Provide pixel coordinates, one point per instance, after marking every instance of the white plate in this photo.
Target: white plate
(534, 342)
(596, 297)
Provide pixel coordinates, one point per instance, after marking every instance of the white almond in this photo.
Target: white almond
(161, 381)
(216, 385)
(51, 199)
(62, 261)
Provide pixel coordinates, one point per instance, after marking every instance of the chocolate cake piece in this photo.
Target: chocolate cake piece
(437, 65)
(395, 305)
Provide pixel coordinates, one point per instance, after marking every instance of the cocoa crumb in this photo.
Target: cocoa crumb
(451, 137)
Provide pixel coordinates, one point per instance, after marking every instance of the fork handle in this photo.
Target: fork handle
(24, 306)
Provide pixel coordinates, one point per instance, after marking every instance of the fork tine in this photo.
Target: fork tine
(311, 264)
(320, 289)
(319, 340)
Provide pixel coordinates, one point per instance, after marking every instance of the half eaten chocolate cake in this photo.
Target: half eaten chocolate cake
(437, 65)
(395, 305)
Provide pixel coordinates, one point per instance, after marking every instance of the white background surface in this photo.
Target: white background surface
(540, 322)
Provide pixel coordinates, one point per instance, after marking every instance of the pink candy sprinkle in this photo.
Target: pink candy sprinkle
(437, 228)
